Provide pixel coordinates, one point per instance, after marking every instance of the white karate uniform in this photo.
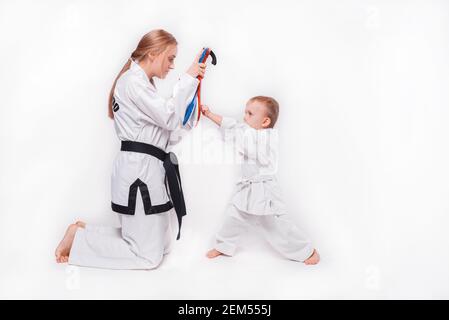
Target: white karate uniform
(142, 115)
(257, 199)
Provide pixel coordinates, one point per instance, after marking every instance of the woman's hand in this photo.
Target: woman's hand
(197, 69)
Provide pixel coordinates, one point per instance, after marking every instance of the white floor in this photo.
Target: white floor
(256, 272)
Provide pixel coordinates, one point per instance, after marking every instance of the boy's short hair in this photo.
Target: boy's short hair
(271, 106)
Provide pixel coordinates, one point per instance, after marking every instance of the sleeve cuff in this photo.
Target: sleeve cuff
(227, 123)
(188, 80)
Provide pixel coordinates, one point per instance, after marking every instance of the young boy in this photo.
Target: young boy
(257, 198)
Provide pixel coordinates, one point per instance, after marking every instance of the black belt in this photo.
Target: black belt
(172, 177)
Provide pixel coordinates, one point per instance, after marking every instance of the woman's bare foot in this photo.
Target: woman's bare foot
(63, 250)
(313, 259)
(213, 253)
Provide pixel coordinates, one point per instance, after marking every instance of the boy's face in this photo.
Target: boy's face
(256, 115)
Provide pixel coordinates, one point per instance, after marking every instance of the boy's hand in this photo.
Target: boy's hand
(205, 110)
(212, 116)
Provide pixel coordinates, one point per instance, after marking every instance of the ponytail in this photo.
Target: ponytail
(111, 94)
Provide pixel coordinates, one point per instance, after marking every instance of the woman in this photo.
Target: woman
(144, 122)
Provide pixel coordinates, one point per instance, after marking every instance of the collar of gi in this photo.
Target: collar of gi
(136, 68)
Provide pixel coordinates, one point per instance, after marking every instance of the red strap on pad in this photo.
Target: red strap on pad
(199, 86)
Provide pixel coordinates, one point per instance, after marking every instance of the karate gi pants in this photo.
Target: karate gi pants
(279, 231)
(140, 242)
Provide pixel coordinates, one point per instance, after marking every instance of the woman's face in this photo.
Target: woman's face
(165, 61)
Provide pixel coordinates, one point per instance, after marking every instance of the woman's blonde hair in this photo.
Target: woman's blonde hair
(154, 42)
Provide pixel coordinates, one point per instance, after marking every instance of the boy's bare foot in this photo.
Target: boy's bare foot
(313, 259)
(63, 250)
(81, 224)
(213, 253)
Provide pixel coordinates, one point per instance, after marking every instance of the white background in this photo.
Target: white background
(363, 88)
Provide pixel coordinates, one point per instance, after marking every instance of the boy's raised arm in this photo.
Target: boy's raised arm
(209, 114)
